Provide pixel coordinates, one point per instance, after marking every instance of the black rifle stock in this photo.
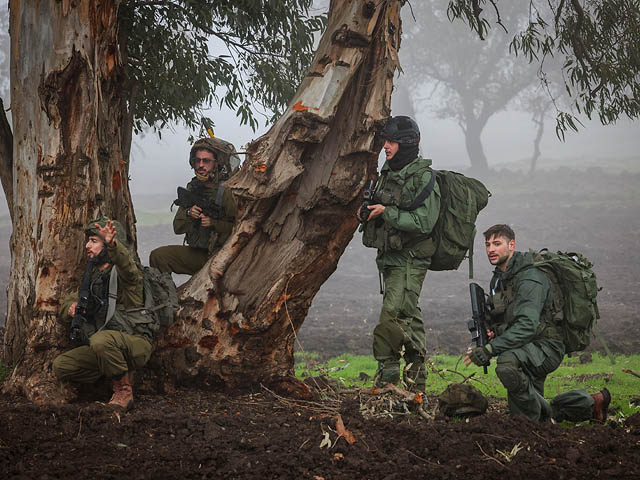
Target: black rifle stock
(187, 199)
(477, 325)
(78, 321)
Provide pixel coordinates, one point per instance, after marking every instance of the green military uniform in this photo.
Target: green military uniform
(529, 344)
(401, 237)
(125, 342)
(201, 242)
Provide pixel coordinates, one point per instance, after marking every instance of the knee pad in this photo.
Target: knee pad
(511, 377)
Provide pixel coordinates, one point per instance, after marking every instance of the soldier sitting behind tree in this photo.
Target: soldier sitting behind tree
(116, 333)
(208, 223)
(525, 338)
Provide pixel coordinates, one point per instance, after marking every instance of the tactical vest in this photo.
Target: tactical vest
(502, 303)
(133, 321)
(206, 238)
(391, 190)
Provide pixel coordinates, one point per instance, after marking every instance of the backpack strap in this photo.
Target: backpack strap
(424, 193)
(113, 296)
(219, 196)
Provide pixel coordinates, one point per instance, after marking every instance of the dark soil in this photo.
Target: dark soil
(197, 434)
(210, 434)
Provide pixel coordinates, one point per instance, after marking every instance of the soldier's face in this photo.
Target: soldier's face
(499, 251)
(204, 162)
(94, 246)
(390, 149)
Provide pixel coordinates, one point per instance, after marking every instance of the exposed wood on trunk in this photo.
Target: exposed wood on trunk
(67, 168)
(6, 158)
(297, 196)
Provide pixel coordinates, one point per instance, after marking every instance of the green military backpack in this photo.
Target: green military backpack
(461, 199)
(160, 295)
(575, 289)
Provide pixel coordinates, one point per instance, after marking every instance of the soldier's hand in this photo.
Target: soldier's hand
(195, 212)
(490, 334)
(375, 211)
(206, 221)
(481, 356)
(72, 309)
(108, 233)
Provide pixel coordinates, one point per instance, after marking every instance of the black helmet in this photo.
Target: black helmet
(402, 129)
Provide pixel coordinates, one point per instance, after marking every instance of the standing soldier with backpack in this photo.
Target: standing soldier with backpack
(399, 227)
(527, 334)
(206, 210)
(107, 316)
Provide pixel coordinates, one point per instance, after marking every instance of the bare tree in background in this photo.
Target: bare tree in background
(461, 77)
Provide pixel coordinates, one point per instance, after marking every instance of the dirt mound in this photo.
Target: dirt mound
(196, 434)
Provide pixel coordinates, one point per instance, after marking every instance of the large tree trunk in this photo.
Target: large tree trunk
(297, 196)
(66, 77)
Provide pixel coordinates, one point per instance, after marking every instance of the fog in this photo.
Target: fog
(159, 165)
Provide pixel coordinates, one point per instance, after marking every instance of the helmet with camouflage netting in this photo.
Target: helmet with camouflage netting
(227, 160)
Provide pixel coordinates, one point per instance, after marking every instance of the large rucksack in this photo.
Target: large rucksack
(575, 282)
(461, 199)
(160, 295)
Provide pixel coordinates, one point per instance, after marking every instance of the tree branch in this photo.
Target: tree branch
(6, 158)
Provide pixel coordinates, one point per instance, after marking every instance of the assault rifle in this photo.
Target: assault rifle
(479, 310)
(368, 195)
(187, 199)
(79, 319)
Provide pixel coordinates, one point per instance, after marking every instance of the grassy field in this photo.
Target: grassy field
(358, 371)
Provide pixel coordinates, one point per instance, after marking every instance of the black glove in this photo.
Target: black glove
(480, 356)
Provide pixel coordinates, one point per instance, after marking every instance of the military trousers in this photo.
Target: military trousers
(523, 375)
(178, 259)
(400, 324)
(109, 353)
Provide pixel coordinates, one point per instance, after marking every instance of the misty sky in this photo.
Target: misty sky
(157, 166)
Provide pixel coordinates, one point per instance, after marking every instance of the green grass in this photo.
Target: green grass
(624, 387)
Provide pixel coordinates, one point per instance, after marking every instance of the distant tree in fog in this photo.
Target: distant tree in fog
(462, 77)
(595, 41)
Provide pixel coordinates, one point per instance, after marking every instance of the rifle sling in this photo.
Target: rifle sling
(113, 295)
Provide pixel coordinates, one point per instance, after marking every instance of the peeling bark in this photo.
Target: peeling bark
(6, 158)
(67, 168)
(297, 196)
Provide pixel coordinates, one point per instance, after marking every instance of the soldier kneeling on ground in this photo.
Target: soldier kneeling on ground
(206, 210)
(107, 316)
(526, 338)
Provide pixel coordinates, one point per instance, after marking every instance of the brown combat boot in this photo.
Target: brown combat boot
(122, 392)
(601, 402)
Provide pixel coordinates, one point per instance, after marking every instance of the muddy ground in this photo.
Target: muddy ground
(209, 434)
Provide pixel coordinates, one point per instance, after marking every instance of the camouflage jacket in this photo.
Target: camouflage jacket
(130, 297)
(399, 234)
(207, 238)
(521, 299)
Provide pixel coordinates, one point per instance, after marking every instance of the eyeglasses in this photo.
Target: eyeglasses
(204, 160)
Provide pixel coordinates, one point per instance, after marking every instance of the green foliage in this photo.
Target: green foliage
(171, 73)
(446, 369)
(596, 40)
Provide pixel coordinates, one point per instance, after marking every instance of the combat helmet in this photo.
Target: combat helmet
(90, 229)
(401, 129)
(227, 161)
